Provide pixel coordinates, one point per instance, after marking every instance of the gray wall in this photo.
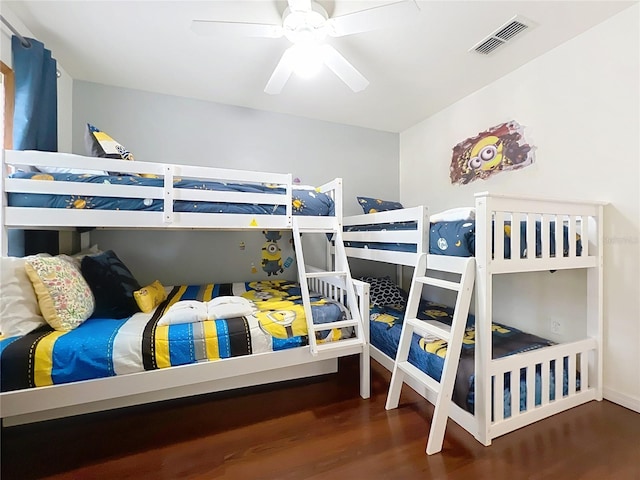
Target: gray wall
(163, 128)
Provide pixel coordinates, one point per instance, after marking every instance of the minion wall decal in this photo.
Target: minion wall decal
(272, 253)
(499, 148)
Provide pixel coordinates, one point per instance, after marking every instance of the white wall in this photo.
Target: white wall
(580, 106)
(173, 129)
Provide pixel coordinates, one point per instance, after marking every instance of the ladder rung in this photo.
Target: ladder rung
(317, 230)
(437, 282)
(325, 274)
(439, 329)
(420, 376)
(319, 327)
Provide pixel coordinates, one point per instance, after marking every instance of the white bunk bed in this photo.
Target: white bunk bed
(582, 359)
(41, 403)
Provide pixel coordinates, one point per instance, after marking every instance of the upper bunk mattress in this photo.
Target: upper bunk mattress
(305, 201)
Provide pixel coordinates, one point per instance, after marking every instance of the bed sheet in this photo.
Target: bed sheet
(428, 354)
(104, 347)
(306, 201)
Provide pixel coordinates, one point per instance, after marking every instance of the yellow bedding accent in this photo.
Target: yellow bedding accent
(43, 363)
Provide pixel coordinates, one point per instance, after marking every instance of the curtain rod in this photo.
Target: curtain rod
(25, 43)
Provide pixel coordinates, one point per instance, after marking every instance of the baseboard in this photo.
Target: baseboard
(621, 399)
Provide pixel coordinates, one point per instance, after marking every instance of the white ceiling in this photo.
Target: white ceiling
(414, 70)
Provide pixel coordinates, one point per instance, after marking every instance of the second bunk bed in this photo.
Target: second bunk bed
(507, 378)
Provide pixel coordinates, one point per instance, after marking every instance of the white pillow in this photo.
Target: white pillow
(22, 157)
(76, 258)
(19, 310)
(454, 215)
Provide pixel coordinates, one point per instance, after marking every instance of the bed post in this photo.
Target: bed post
(484, 294)
(595, 292)
(4, 235)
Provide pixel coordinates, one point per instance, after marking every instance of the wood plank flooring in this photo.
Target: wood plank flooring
(316, 429)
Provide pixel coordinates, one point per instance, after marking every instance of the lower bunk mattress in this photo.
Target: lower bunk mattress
(102, 347)
(428, 353)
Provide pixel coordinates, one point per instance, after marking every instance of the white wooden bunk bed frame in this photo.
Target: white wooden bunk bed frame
(583, 218)
(43, 403)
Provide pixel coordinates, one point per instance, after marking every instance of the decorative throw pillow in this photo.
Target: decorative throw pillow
(373, 205)
(112, 284)
(64, 297)
(452, 238)
(19, 310)
(149, 297)
(383, 291)
(99, 144)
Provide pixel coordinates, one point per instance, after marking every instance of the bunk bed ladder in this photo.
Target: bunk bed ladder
(340, 279)
(453, 334)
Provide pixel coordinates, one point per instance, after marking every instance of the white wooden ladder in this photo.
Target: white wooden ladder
(453, 334)
(340, 283)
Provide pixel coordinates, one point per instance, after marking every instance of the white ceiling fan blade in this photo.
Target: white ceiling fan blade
(224, 29)
(343, 69)
(280, 74)
(299, 5)
(382, 16)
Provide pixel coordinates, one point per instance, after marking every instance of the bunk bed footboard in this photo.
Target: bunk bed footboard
(530, 386)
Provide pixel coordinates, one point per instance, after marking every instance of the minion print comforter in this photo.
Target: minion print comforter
(305, 200)
(101, 347)
(428, 353)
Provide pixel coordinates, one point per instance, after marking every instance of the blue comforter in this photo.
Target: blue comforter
(428, 355)
(304, 201)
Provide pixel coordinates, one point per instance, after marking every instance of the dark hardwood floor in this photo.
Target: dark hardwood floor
(316, 429)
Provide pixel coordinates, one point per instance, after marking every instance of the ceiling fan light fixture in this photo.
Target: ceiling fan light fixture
(306, 59)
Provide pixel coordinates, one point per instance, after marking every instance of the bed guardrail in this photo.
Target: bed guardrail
(167, 193)
(549, 234)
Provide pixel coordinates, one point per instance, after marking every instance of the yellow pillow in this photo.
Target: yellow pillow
(150, 297)
(64, 297)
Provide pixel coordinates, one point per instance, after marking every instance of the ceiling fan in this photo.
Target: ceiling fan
(306, 25)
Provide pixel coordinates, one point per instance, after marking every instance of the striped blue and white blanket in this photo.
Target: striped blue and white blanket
(106, 347)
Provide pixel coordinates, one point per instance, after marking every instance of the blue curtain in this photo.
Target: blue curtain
(35, 118)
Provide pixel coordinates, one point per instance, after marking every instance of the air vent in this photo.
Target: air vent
(502, 35)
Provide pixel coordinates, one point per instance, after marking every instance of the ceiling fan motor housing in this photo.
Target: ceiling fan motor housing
(305, 26)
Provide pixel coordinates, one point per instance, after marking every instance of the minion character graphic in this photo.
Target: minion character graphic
(499, 148)
(283, 324)
(389, 320)
(486, 154)
(272, 258)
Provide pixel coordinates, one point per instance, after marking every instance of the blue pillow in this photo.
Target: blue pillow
(452, 238)
(383, 291)
(112, 284)
(373, 205)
